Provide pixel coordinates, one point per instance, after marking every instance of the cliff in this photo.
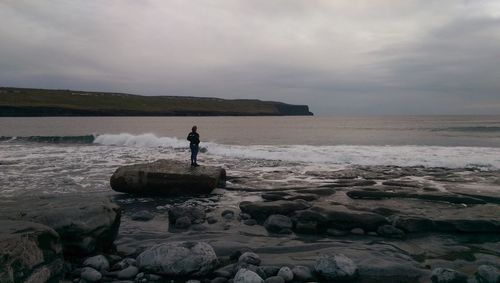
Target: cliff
(18, 102)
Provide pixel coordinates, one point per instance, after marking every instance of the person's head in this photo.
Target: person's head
(194, 128)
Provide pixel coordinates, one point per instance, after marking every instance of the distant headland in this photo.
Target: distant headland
(29, 102)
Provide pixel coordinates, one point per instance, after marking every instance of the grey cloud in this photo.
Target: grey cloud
(340, 57)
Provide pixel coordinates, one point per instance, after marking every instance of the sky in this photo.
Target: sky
(342, 57)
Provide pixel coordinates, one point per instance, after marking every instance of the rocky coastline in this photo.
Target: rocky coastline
(360, 224)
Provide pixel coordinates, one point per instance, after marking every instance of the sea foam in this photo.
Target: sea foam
(408, 155)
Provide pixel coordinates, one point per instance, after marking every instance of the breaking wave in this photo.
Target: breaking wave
(86, 139)
(409, 155)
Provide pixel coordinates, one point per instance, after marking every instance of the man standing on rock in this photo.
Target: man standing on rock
(194, 142)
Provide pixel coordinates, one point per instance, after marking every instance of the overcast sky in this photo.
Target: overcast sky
(342, 57)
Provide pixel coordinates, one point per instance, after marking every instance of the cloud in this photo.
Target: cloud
(340, 57)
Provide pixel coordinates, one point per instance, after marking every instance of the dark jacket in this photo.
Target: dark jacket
(194, 138)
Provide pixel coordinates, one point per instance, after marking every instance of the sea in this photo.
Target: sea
(58, 155)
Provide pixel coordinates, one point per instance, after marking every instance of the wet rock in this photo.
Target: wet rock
(211, 220)
(250, 222)
(142, 215)
(182, 222)
(270, 270)
(275, 279)
(278, 223)
(438, 196)
(193, 281)
(226, 271)
(309, 227)
(305, 197)
(85, 225)
(446, 275)
(199, 227)
(249, 258)
(274, 196)
(245, 216)
(487, 274)
(29, 252)
(335, 232)
(336, 267)
(195, 213)
(390, 232)
(89, 274)
(286, 273)
(219, 280)
(357, 231)
(126, 262)
(247, 276)
(341, 217)
(167, 178)
(98, 262)
(128, 273)
(402, 183)
(350, 183)
(261, 210)
(179, 259)
(228, 214)
(302, 274)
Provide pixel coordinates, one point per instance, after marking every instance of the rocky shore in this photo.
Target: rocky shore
(360, 224)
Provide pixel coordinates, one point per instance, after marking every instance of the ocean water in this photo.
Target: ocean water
(74, 154)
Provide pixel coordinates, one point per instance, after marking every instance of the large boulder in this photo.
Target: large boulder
(85, 224)
(179, 259)
(167, 178)
(29, 252)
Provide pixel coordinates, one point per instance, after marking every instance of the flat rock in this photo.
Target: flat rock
(261, 210)
(167, 178)
(29, 252)
(85, 224)
(179, 259)
(341, 217)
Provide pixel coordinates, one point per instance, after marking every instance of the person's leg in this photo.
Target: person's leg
(193, 154)
(196, 148)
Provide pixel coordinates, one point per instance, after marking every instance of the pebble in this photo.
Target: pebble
(249, 258)
(275, 279)
(129, 272)
(98, 262)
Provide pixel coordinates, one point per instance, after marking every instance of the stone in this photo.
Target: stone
(199, 227)
(195, 213)
(86, 225)
(357, 231)
(167, 178)
(98, 262)
(250, 222)
(245, 216)
(29, 252)
(276, 223)
(219, 280)
(309, 227)
(336, 267)
(446, 275)
(436, 196)
(274, 196)
(302, 274)
(211, 220)
(142, 215)
(247, 276)
(179, 259)
(487, 274)
(275, 279)
(341, 218)
(89, 274)
(225, 271)
(335, 232)
(128, 273)
(390, 232)
(260, 211)
(249, 258)
(270, 270)
(126, 262)
(193, 281)
(228, 214)
(183, 222)
(286, 273)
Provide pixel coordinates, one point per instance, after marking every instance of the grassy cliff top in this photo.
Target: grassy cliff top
(116, 103)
